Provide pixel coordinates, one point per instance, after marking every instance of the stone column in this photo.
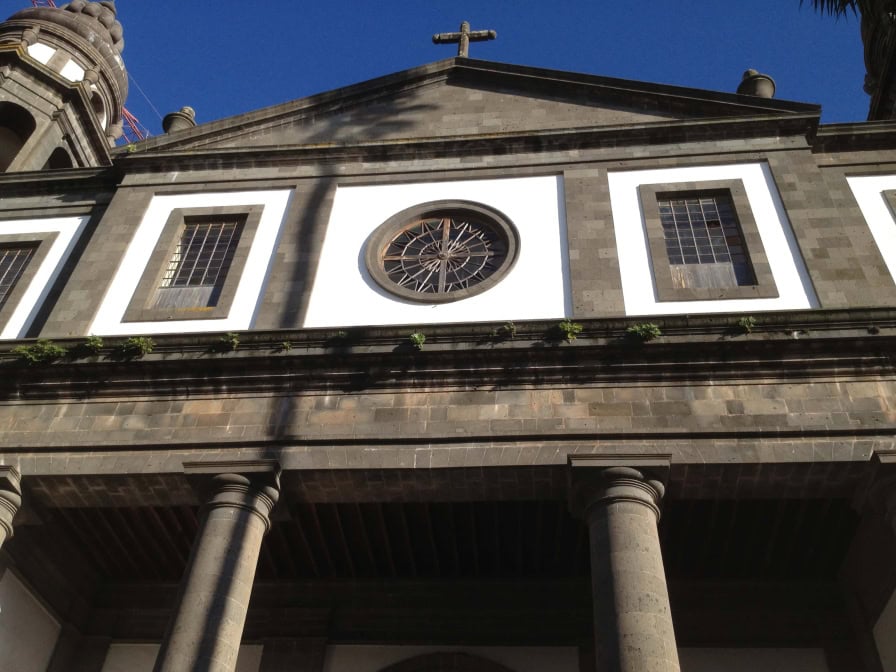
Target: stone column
(205, 633)
(632, 620)
(10, 500)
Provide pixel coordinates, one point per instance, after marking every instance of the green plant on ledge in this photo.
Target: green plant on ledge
(644, 331)
(746, 324)
(40, 352)
(505, 331)
(92, 345)
(136, 346)
(229, 342)
(569, 330)
(285, 346)
(417, 339)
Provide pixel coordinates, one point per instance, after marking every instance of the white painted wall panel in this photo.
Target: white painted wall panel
(28, 632)
(68, 230)
(537, 288)
(108, 320)
(638, 288)
(868, 192)
(519, 659)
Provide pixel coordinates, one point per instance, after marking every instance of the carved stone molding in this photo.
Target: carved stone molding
(10, 500)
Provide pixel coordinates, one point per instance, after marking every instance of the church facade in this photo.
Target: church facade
(473, 367)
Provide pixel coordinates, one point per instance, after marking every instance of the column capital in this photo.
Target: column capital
(257, 495)
(597, 481)
(251, 486)
(10, 479)
(10, 499)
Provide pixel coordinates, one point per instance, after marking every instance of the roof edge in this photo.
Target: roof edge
(515, 142)
(457, 65)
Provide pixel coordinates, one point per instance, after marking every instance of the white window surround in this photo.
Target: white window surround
(68, 230)
(869, 193)
(108, 320)
(795, 291)
(344, 294)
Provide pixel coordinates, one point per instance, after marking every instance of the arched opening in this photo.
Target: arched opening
(59, 159)
(16, 126)
(446, 662)
(99, 107)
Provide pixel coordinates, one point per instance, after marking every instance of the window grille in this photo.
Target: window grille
(13, 261)
(704, 242)
(198, 267)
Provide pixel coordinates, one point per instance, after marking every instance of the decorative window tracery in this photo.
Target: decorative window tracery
(442, 251)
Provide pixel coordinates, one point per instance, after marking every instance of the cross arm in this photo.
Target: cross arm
(444, 38)
(482, 35)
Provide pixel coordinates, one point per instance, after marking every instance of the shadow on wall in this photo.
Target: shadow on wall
(366, 124)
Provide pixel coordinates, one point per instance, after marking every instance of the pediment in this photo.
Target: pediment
(463, 98)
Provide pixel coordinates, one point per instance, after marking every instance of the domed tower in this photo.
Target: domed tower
(62, 86)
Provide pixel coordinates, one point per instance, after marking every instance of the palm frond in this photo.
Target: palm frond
(873, 10)
(838, 7)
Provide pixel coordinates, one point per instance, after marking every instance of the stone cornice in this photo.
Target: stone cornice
(804, 345)
(873, 135)
(653, 133)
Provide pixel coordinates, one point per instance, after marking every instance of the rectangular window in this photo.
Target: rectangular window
(704, 241)
(13, 261)
(197, 269)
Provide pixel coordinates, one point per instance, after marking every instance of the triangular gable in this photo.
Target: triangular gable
(463, 97)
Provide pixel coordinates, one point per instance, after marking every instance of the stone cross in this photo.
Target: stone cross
(463, 38)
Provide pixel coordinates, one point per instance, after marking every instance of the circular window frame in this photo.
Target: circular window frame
(388, 230)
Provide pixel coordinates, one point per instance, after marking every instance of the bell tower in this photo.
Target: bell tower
(62, 86)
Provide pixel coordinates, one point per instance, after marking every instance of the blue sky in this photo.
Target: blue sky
(228, 57)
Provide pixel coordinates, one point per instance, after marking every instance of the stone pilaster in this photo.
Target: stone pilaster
(205, 632)
(10, 500)
(632, 619)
